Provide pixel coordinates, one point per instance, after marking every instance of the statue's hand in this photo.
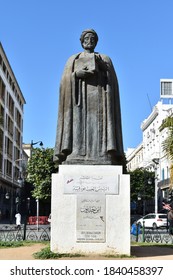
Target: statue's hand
(83, 74)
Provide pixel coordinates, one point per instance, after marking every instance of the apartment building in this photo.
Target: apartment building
(149, 154)
(134, 157)
(11, 137)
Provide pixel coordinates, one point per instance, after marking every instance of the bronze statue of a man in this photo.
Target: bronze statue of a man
(89, 119)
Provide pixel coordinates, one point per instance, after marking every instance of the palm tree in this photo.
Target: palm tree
(167, 144)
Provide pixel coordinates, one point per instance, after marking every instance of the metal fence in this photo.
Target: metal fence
(158, 235)
(32, 233)
(26, 232)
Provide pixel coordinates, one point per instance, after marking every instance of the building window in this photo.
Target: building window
(1, 114)
(4, 67)
(0, 162)
(11, 105)
(167, 168)
(0, 60)
(1, 139)
(10, 80)
(16, 153)
(18, 137)
(9, 147)
(166, 88)
(18, 119)
(2, 90)
(10, 126)
(9, 168)
(163, 174)
(16, 173)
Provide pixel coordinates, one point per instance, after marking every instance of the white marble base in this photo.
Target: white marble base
(81, 193)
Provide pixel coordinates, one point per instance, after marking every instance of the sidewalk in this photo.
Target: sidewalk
(139, 253)
(152, 252)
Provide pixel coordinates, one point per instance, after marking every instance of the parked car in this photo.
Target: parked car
(154, 220)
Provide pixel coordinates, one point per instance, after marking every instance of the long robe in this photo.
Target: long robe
(89, 118)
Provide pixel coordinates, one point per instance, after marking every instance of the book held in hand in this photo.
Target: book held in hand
(87, 62)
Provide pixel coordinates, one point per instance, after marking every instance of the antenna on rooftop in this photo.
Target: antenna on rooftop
(149, 102)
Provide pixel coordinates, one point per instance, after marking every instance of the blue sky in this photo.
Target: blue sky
(39, 36)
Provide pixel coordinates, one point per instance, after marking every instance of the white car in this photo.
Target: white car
(153, 220)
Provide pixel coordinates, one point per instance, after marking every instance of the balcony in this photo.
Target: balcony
(164, 184)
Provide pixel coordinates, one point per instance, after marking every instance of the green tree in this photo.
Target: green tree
(142, 184)
(39, 170)
(167, 144)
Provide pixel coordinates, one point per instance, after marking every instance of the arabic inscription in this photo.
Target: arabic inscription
(74, 184)
(91, 218)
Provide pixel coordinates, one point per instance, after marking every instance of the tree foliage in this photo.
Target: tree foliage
(142, 184)
(167, 144)
(39, 170)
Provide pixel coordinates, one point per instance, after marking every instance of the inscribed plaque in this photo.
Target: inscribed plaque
(91, 184)
(91, 218)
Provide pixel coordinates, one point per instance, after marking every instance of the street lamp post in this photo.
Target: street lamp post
(37, 200)
(38, 142)
(35, 143)
(10, 199)
(142, 196)
(26, 216)
(21, 196)
(147, 182)
(156, 162)
(15, 199)
(17, 203)
(156, 193)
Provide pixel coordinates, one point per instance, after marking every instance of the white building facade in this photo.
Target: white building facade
(11, 136)
(150, 150)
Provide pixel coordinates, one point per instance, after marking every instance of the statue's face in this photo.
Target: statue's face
(89, 42)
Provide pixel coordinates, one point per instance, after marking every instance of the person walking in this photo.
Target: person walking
(18, 220)
(49, 219)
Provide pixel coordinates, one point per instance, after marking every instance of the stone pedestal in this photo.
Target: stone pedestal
(90, 210)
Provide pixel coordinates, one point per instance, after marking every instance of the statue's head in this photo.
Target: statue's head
(89, 39)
